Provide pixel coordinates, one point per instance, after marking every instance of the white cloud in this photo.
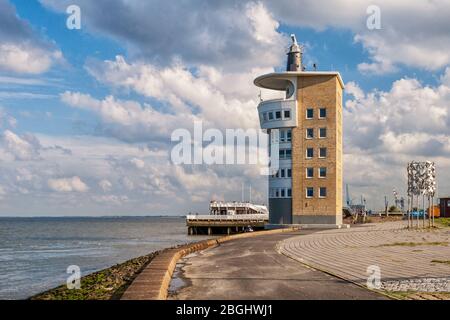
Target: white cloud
(26, 147)
(138, 163)
(236, 34)
(73, 184)
(111, 200)
(105, 185)
(21, 50)
(383, 130)
(412, 33)
(27, 59)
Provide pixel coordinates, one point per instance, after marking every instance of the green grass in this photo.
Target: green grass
(443, 222)
(413, 244)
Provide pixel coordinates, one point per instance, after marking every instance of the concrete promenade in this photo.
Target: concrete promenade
(252, 268)
(408, 259)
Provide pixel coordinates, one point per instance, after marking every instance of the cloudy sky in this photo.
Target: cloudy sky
(86, 115)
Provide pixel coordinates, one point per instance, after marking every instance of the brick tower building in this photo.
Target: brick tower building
(307, 127)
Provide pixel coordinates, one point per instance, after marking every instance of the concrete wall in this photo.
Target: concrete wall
(280, 210)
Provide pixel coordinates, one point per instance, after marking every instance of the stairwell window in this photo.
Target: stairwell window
(288, 154)
(282, 136)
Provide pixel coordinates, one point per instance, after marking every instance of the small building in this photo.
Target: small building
(445, 207)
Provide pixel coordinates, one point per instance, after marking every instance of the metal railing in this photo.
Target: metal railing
(237, 217)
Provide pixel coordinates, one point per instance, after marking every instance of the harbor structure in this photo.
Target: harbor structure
(306, 125)
(227, 218)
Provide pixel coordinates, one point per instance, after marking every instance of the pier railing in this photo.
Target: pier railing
(237, 217)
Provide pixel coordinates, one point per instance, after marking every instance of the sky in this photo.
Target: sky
(86, 115)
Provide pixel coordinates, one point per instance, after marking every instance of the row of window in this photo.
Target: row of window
(310, 133)
(310, 113)
(285, 154)
(277, 115)
(322, 172)
(287, 173)
(310, 192)
(280, 193)
(287, 192)
(283, 173)
(310, 153)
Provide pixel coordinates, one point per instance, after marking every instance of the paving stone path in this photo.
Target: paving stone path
(407, 259)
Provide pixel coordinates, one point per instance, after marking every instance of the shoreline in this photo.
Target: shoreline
(106, 284)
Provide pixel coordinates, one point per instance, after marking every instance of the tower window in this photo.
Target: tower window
(323, 172)
(277, 115)
(322, 192)
(287, 114)
(309, 153)
(309, 172)
(309, 133)
(322, 132)
(322, 113)
(322, 152)
(309, 192)
(309, 113)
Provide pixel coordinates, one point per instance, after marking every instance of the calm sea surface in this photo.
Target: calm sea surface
(35, 252)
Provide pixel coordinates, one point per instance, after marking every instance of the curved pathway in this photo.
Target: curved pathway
(253, 269)
(406, 258)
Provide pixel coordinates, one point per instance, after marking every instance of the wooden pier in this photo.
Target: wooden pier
(224, 224)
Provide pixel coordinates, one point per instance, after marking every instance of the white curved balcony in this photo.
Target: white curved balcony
(277, 113)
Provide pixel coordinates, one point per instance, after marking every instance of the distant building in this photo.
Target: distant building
(444, 207)
(307, 189)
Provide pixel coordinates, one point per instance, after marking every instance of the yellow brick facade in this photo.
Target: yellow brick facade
(315, 92)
